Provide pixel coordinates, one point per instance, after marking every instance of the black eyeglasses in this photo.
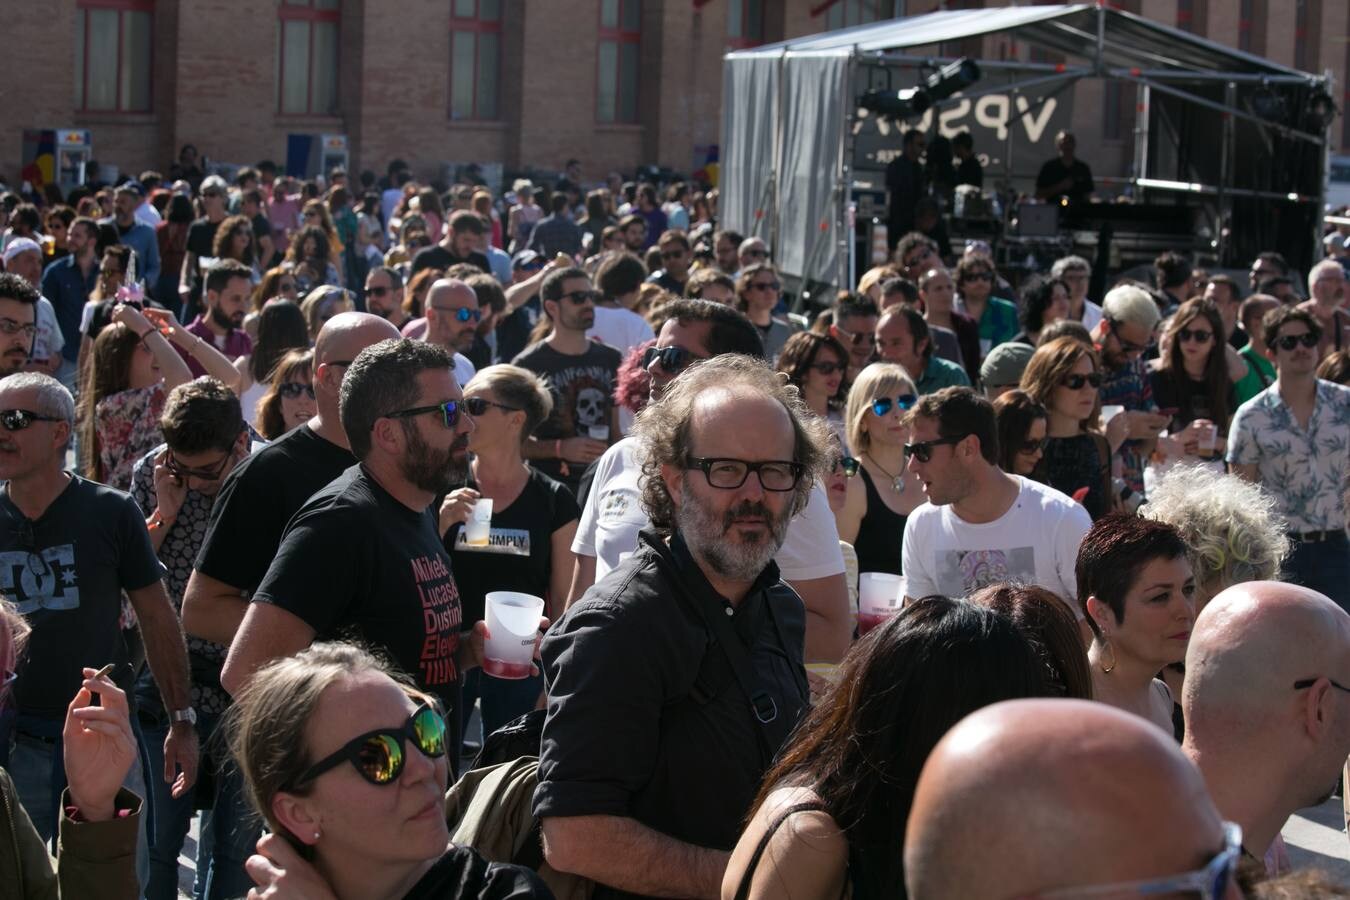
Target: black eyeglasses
(923, 451)
(1125, 346)
(1034, 446)
(1304, 683)
(293, 389)
(477, 406)
(882, 405)
(1290, 341)
(580, 297)
(848, 464)
(19, 419)
(378, 755)
(673, 359)
(1200, 336)
(729, 474)
(461, 313)
(449, 411)
(1075, 382)
(826, 368)
(10, 326)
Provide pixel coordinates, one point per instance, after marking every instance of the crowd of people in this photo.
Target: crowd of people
(245, 576)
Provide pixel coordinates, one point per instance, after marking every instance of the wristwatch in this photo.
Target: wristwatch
(188, 715)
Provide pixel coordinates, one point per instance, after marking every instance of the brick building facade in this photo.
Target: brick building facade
(524, 84)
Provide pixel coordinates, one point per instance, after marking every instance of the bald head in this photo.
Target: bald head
(446, 324)
(1249, 647)
(347, 334)
(1055, 793)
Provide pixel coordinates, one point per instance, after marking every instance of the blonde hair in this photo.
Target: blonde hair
(518, 388)
(878, 379)
(313, 306)
(875, 277)
(1233, 527)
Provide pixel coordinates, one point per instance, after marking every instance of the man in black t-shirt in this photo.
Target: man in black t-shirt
(201, 240)
(458, 246)
(580, 374)
(363, 558)
(1065, 176)
(265, 490)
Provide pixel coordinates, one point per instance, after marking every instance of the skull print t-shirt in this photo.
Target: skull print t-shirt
(583, 395)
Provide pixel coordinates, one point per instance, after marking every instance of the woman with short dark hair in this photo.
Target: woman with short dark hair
(1021, 432)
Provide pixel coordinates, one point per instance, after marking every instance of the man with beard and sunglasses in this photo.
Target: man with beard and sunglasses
(1267, 703)
(675, 679)
(1293, 439)
(176, 485)
(363, 557)
(229, 285)
(809, 560)
(264, 491)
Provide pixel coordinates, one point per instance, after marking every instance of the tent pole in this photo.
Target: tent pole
(1225, 170)
(1144, 111)
(1127, 75)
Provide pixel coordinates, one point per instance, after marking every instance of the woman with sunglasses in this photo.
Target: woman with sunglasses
(346, 762)
(311, 257)
(288, 401)
(1044, 302)
(873, 520)
(281, 328)
(234, 240)
(757, 295)
(1192, 381)
(816, 364)
(829, 820)
(1076, 460)
(100, 819)
(1136, 587)
(1022, 430)
(534, 519)
(278, 281)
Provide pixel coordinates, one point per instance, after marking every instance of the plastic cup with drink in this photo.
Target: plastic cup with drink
(880, 595)
(1207, 435)
(478, 528)
(513, 627)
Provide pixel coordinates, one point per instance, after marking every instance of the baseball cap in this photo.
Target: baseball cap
(1005, 364)
(525, 259)
(20, 245)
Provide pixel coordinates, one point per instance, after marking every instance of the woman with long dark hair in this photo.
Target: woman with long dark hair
(1192, 378)
(1021, 432)
(830, 816)
(281, 328)
(817, 364)
(234, 240)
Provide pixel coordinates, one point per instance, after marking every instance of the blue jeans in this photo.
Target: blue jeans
(503, 699)
(1323, 566)
(229, 828)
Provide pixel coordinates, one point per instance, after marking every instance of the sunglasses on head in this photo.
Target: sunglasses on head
(477, 406)
(19, 419)
(673, 359)
(882, 405)
(1076, 382)
(923, 451)
(379, 755)
(293, 389)
(848, 464)
(449, 411)
(1290, 341)
(1200, 336)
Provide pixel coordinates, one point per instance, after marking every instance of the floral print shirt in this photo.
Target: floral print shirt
(1306, 469)
(127, 424)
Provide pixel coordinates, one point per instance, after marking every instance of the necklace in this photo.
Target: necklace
(897, 481)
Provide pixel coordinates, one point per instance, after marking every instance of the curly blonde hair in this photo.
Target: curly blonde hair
(1233, 527)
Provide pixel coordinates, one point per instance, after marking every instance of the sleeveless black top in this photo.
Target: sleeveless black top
(879, 534)
(743, 889)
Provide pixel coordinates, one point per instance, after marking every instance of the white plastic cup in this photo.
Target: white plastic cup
(513, 628)
(1110, 411)
(479, 526)
(1207, 436)
(598, 432)
(880, 595)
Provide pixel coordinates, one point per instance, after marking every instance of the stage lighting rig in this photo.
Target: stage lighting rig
(912, 102)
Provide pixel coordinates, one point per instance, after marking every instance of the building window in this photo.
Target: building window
(113, 55)
(846, 13)
(475, 58)
(307, 58)
(745, 23)
(620, 37)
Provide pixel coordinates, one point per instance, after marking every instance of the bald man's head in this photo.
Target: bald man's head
(1250, 646)
(1054, 794)
(340, 340)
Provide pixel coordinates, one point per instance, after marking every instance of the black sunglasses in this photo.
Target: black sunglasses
(1290, 341)
(19, 419)
(449, 411)
(672, 254)
(580, 297)
(673, 359)
(882, 405)
(764, 285)
(848, 464)
(293, 389)
(978, 276)
(1075, 382)
(378, 755)
(181, 472)
(1200, 336)
(1034, 446)
(477, 406)
(923, 451)
(377, 291)
(1304, 683)
(826, 368)
(1125, 346)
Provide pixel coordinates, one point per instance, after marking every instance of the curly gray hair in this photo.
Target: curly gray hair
(662, 428)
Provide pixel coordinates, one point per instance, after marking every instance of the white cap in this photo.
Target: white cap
(20, 245)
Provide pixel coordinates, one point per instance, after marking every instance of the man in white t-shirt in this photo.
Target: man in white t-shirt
(809, 560)
(981, 525)
(619, 279)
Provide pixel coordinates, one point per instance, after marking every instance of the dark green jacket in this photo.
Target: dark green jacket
(97, 860)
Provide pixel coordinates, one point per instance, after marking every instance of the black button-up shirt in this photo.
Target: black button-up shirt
(645, 716)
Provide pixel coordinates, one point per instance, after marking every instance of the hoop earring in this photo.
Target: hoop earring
(1106, 645)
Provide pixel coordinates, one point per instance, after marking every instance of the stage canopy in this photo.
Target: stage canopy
(789, 111)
